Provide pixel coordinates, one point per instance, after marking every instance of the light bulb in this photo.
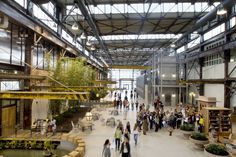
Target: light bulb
(83, 36)
(88, 43)
(93, 48)
(221, 11)
(75, 26)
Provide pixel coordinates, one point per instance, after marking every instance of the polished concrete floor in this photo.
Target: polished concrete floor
(150, 145)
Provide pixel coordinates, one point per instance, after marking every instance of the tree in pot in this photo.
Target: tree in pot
(215, 150)
(187, 129)
(199, 139)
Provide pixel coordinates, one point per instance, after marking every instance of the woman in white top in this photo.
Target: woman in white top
(136, 133)
(125, 148)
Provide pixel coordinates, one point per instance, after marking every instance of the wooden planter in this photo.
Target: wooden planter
(207, 154)
(198, 143)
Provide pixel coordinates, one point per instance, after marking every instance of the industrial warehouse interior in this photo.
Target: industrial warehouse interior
(117, 78)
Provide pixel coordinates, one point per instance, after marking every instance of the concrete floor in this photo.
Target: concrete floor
(154, 143)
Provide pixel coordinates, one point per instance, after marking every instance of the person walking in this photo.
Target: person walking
(106, 152)
(125, 148)
(145, 125)
(118, 136)
(128, 127)
(136, 133)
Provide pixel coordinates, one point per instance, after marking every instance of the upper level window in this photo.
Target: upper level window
(50, 8)
(23, 3)
(44, 18)
(219, 29)
(10, 85)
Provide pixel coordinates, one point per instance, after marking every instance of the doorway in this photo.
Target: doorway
(8, 120)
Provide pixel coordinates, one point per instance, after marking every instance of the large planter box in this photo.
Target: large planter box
(187, 133)
(207, 154)
(199, 144)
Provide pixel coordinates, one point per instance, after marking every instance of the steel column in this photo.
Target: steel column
(227, 82)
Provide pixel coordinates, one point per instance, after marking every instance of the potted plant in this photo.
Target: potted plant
(26, 144)
(215, 150)
(199, 139)
(187, 129)
(33, 144)
(2, 145)
(13, 144)
(48, 147)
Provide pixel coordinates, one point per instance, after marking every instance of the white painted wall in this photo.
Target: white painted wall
(231, 66)
(194, 73)
(40, 109)
(213, 72)
(233, 100)
(215, 90)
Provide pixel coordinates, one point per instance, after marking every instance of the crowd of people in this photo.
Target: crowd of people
(147, 120)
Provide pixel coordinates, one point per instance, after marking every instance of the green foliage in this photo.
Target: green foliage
(67, 114)
(199, 136)
(32, 144)
(98, 94)
(217, 149)
(59, 119)
(48, 145)
(73, 72)
(187, 127)
(2, 145)
(55, 106)
(27, 144)
(13, 144)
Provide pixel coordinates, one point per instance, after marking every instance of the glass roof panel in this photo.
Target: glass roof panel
(155, 8)
(142, 36)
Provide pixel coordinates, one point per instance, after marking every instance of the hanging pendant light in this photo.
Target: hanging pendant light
(75, 26)
(93, 48)
(88, 43)
(221, 11)
(172, 45)
(83, 36)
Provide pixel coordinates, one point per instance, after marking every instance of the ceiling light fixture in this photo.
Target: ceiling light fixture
(172, 45)
(93, 48)
(75, 26)
(83, 36)
(88, 43)
(221, 11)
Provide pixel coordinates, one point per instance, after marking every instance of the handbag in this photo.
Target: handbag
(113, 145)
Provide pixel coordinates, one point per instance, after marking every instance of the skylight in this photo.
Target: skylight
(142, 36)
(154, 8)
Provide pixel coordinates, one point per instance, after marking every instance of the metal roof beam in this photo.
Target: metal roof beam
(44, 95)
(91, 23)
(208, 17)
(130, 67)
